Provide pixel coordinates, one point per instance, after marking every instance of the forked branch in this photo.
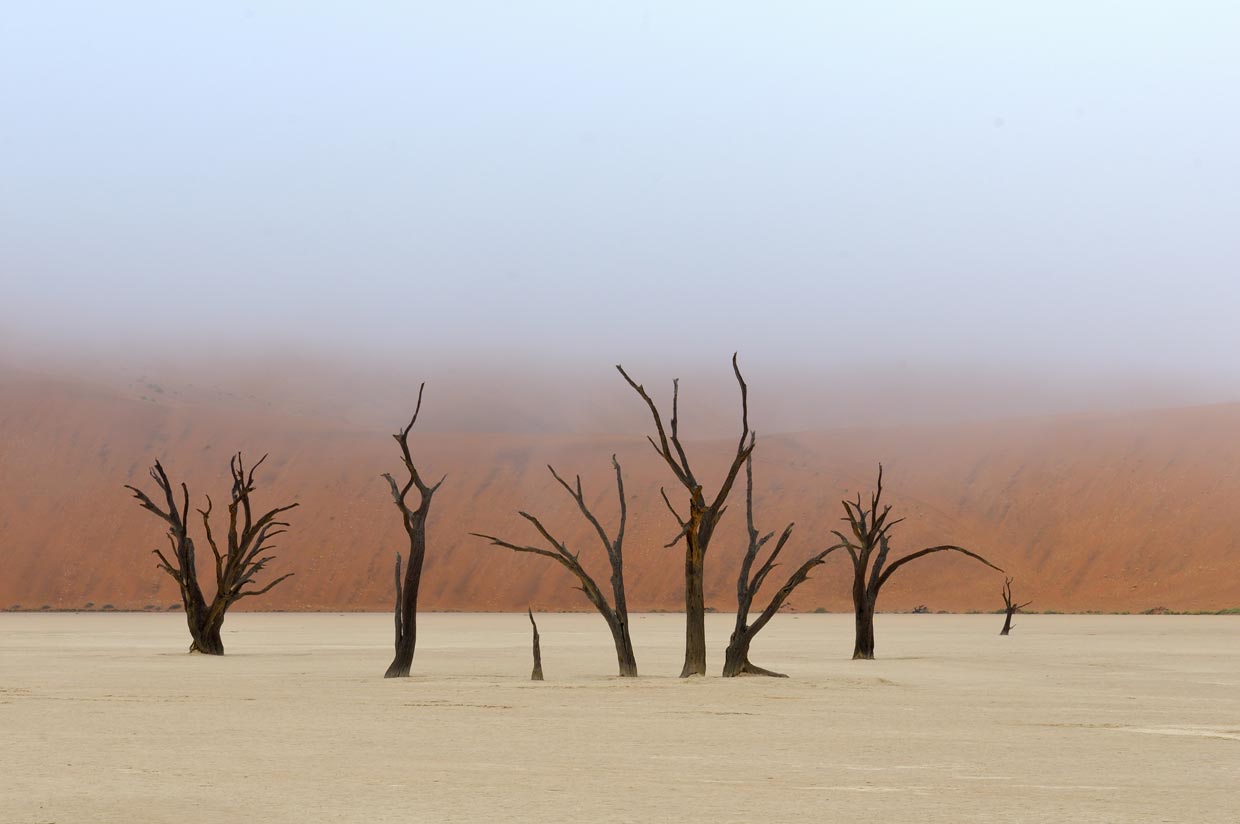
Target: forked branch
(615, 613)
(413, 518)
(246, 552)
(704, 512)
(1010, 607)
(748, 584)
(868, 544)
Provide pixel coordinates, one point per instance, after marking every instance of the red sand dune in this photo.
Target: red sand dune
(1114, 512)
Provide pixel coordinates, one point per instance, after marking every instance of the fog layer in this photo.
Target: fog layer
(918, 211)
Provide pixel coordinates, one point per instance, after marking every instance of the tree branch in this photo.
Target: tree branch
(662, 447)
(921, 553)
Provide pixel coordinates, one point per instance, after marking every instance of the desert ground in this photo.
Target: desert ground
(1072, 718)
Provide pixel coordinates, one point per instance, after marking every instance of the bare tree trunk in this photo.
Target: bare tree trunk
(736, 657)
(537, 674)
(397, 610)
(207, 637)
(1007, 621)
(695, 615)
(197, 616)
(619, 623)
(625, 658)
(407, 602)
(864, 646)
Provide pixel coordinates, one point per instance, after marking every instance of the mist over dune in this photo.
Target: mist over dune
(972, 240)
(545, 389)
(967, 243)
(1120, 511)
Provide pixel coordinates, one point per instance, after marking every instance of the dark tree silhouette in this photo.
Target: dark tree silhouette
(617, 615)
(736, 659)
(414, 521)
(698, 526)
(868, 547)
(1010, 607)
(244, 555)
(536, 675)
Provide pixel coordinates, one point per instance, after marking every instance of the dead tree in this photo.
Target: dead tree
(698, 526)
(414, 521)
(736, 659)
(244, 556)
(617, 615)
(536, 675)
(868, 547)
(1009, 606)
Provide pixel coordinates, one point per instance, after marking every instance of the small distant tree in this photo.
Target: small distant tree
(1010, 607)
(615, 614)
(736, 659)
(868, 546)
(414, 521)
(698, 526)
(536, 674)
(245, 555)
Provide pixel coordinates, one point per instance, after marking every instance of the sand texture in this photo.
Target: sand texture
(1081, 719)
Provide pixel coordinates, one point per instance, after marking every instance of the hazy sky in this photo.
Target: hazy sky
(942, 185)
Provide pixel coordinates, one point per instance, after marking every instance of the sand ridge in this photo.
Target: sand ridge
(1112, 512)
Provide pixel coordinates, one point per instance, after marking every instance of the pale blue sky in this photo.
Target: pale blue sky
(1052, 184)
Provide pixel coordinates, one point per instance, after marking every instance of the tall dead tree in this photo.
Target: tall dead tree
(414, 520)
(698, 526)
(868, 547)
(245, 554)
(617, 615)
(736, 659)
(1010, 607)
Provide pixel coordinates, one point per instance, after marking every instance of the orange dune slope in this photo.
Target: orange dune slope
(1117, 512)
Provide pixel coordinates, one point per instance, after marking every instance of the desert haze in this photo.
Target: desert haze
(1111, 511)
(980, 256)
